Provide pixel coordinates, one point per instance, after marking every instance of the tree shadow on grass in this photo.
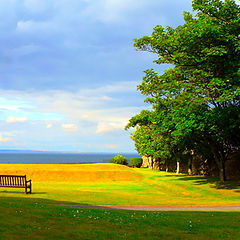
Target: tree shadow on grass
(213, 181)
(32, 201)
(21, 193)
(42, 203)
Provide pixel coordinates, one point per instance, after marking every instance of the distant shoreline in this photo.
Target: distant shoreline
(58, 158)
(59, 152)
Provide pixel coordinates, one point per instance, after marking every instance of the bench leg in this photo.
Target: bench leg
(30, 189)
(28, 186)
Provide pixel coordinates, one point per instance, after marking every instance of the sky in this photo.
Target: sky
(69, 71)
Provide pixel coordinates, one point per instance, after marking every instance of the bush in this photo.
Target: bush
(136, 162)
(119, 159)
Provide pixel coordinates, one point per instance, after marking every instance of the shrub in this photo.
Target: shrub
(136, 162)
(119, 159)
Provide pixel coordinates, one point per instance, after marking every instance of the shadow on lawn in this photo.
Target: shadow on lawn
(199, 180)
(30, 202)
(18, 192)
(214, 181)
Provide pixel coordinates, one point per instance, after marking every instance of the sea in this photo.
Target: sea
(59, 158)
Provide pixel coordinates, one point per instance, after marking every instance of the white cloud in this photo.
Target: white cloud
(32, 26)
(113, 10)
(10, 134)
(10, 108)
(12, 119)
(24, 25)
(86, 117)
(112, 146)
(69, 127)
(92, 106)
(36, 6)
(91, 112)
(104, 127)
(124, 86)
(2, 139)
(49, 125)
(24, 50)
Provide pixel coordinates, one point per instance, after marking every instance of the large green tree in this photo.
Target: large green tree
(149, 139)
(200, 91)
(169, 131)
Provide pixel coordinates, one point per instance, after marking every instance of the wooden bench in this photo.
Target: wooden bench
(16, 181)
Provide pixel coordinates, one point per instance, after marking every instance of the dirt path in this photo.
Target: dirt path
(164, 208)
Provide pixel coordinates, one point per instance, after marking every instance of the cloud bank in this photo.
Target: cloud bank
(69, 70)
(12, 119)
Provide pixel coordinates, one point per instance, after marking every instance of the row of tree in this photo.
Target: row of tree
(196, 101)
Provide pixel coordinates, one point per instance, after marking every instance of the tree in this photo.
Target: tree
(136, 162)
(200, 94)
(166, 132)
(119, 159)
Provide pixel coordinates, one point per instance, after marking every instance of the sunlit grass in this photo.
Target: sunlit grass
(110, 184)
(46, 213)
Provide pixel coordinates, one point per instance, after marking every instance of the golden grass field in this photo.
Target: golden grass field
(111, 184)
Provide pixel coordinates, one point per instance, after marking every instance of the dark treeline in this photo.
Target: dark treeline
(195, 116)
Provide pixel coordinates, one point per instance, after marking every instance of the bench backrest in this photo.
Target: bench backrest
(12, 180)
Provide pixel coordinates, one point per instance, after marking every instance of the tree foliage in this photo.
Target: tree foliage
(196, 100)
(119, 159)
(136, 162)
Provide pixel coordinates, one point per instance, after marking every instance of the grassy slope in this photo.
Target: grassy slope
(40, 215)
(110, 184)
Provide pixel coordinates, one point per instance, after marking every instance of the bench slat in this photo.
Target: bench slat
(15, 181)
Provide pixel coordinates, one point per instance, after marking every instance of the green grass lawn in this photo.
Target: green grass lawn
(108, 184)
(44, 214)
(22, 218)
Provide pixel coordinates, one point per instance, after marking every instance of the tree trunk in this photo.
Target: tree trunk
(220, 160)
(222, 173)
(166, 165)
(178, 167)
(156, 164)
(145, 161)
(190, 168)
(194, 165)
(150, 160)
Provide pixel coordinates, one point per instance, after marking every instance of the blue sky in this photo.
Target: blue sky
(69, 70)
